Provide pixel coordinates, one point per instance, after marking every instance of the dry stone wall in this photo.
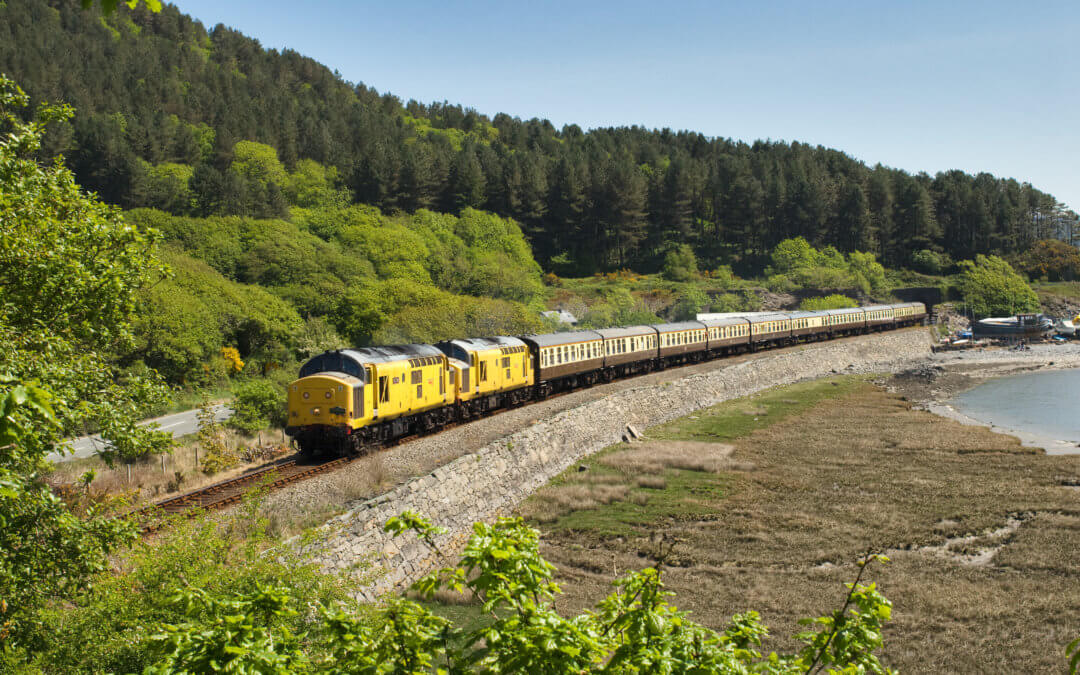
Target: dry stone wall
(493, 480)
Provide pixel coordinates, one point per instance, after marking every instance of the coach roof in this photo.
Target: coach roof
(555, 339)
(629, 331)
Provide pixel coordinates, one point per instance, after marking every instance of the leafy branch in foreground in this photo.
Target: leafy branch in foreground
(633, 630)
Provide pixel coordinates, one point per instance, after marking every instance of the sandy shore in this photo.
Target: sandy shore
(933, 384)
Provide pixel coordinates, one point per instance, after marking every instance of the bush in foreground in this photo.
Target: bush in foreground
(633, 630)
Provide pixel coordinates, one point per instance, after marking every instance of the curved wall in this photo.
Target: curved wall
(493, 480)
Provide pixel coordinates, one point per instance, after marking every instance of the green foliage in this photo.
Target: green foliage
(633, 630)
(257, 405)
(691, 301)
(796, 264)
(217, 456)
(834, 301)
(868, 272)
(398, 310)
(259, 162)
(70, 270)
(109, 6)
(618, 308)
(930, 262)
(1050, 259)
(680, 264)
(791, 254)
(850, 635)
(991, 287)
(187, 318)
(244, 635)
(168, 187)
(203, 588)
(313, 185)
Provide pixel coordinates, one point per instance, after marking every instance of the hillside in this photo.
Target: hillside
(162, 104)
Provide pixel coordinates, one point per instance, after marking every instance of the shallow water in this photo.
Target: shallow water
(1046, 403)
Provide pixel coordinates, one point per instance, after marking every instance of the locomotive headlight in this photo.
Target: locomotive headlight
(315, 411)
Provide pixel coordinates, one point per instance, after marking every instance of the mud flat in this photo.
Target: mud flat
(935, 383)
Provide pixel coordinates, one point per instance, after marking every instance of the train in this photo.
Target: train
(349, 401)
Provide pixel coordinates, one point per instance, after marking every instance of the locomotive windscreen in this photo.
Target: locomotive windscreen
(332, 362)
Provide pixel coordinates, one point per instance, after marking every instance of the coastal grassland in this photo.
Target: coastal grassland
(771, 499)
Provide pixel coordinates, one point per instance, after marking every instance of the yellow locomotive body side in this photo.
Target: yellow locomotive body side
(408, 386)
(481, 367)
(497, 370)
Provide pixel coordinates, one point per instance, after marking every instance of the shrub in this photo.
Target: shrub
(834, 301)
(188, 574)
(930, 262)
(991, 287)
(692, 301)
(792, 254)
(259, 628)
(257, 405)
(680, 264)
(1051, 259)
(723, 276)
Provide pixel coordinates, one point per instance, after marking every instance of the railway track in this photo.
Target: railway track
(231, 491)
(287, 471)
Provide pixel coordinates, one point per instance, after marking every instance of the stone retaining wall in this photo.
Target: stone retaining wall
(492, 481)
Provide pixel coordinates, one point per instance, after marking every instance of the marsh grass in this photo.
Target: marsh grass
(829, 471)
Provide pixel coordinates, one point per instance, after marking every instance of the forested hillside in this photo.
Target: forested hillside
(162, 104)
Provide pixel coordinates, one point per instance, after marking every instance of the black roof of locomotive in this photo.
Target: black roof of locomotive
(351, 361)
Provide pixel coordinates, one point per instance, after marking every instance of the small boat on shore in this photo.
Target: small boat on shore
(1065, 327)
(1019, 327)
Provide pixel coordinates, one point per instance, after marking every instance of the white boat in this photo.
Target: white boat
(1064, 327)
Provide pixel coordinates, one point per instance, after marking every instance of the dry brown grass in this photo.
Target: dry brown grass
(362, 479)
(651, 482)
(652, 457)
(153, 479)
(868, 471)
(557, 501)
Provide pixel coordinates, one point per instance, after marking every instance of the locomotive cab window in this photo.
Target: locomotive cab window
(384, 389)
(483, 371)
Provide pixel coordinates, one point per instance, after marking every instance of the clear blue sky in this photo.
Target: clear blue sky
(923, 86)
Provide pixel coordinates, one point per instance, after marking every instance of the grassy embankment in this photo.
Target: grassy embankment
(772, 497)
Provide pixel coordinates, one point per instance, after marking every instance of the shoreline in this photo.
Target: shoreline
(944, 375)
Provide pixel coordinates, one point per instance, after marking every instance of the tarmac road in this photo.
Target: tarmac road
(180, 424)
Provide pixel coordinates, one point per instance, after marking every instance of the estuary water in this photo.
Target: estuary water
(1043, 405)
